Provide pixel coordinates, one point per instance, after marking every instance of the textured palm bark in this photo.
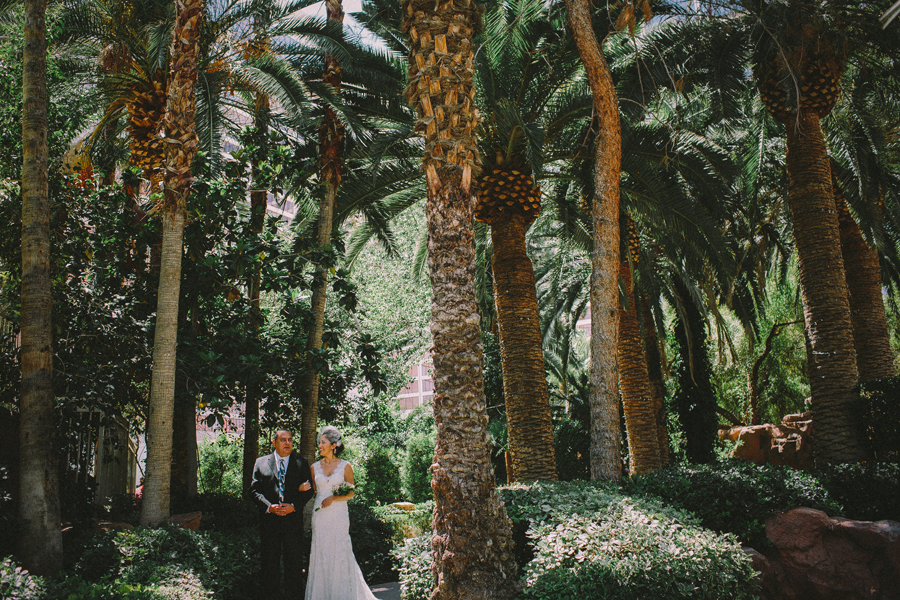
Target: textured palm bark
(605, 439)
(826, 308)
(181, 147)
(472, 542)
(654, 373)
(40, 541)
(874, 359)
(521, 355)
(331, 161)
(634, 382)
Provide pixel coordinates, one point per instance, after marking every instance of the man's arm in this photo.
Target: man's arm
(305, 496)
(256, 488)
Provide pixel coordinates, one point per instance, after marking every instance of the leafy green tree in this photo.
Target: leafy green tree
(416, 469)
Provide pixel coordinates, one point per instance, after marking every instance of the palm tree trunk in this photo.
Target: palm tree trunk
(637, 401)
(521, 355)
(40, 542)
(605, 439)
(155, 505)
(657, 388)
(874, 358)
(472, 542)
(181, 146)
(331, 148)
(826, 308)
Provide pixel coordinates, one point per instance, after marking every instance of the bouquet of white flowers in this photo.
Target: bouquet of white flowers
(341, 490)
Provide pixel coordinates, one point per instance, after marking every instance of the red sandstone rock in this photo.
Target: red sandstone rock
(817, 557)
(187, 520)
(787, 444)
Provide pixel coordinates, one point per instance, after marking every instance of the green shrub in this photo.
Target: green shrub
(372, 544)
(383, 485)
(880, 418)
(588, 541)
(407, 523)
(867, 492)
(221, 462)
(416, 471)
(16, 583)
(416, 579)
(161, 563)
(629, 551)
(734, 496)
(9, 519)
(591, 542)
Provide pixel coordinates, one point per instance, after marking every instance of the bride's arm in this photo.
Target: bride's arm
(348, 477)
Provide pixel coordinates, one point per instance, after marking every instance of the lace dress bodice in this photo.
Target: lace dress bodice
(326, 483)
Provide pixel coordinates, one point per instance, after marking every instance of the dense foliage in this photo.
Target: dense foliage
(587, 541)
(880, 417)
(734, 496)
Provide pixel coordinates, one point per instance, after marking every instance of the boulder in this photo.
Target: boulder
(189, 520)
(823, 558)
(787, 444)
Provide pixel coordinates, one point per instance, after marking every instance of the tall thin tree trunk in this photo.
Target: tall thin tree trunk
(521, 353)
(472, 542)
(181, 146)
(40, 543)
(654, 372)
(874, 358)
(258, 204)
(331, 160)
(604, 401)
(826, 307)
(640, 413)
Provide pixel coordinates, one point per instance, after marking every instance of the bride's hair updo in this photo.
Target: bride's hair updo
(331, 433)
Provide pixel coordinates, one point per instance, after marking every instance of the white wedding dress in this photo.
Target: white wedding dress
(333, 571)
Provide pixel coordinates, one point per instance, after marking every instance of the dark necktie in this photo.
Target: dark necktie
(281, 470)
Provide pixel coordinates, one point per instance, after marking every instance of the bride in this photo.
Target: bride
(333, 571)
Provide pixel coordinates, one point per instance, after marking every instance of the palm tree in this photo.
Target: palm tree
(871, 338)
(605, 454)
(638, 405)
(528, 98)
(40, 543)
(181, 146)
(798, 65)
(859, 138)
(331, 159)
(472, 542)
(655, 375)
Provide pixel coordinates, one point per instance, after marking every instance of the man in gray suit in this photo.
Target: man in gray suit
(281, 486)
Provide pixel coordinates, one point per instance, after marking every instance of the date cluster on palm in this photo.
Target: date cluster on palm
(440, 85)
(146, 111)
(811, 84)
(503, 194)
(630, 237)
